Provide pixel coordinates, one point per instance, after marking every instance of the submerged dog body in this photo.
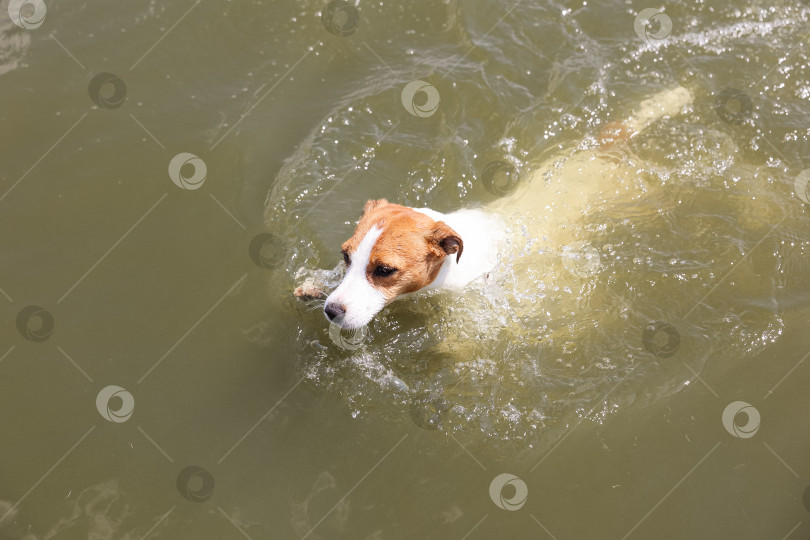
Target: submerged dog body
(396, 250)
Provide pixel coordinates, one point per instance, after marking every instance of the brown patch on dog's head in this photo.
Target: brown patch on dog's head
(408, 253)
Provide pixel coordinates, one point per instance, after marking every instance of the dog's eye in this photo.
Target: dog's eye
(346, 258)
(384, 271)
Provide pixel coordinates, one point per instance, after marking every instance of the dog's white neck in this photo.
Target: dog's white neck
(482, 234)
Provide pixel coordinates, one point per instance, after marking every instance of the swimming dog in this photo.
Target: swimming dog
(396, 251)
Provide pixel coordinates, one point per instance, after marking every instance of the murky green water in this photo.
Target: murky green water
(172, 171)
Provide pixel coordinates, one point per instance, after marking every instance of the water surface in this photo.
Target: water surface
(247, 419)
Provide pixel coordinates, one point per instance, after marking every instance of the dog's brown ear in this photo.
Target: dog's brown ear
(446, 239)
(372, 204)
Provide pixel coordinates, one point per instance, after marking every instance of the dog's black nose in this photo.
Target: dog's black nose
(334, 310)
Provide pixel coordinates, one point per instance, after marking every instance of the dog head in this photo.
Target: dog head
(394, 250)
